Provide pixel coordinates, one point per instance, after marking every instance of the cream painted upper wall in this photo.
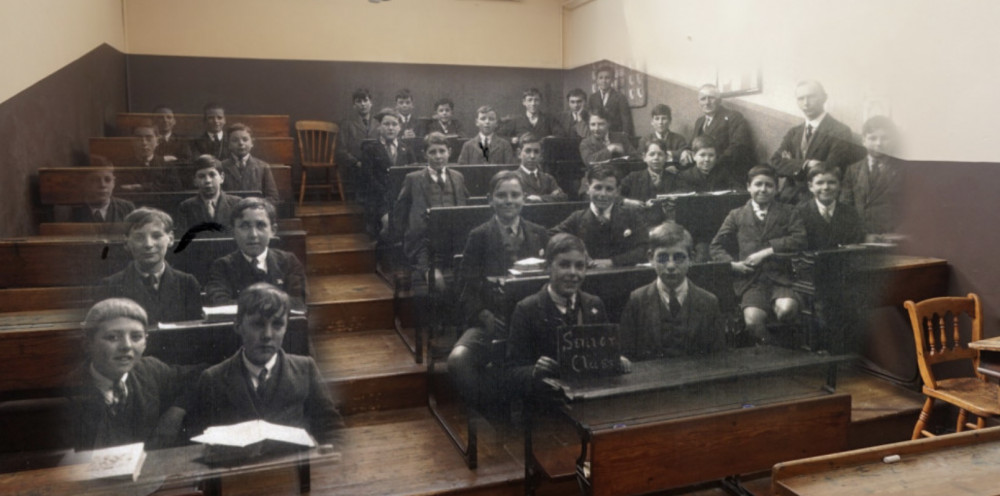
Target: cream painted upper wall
(932, 62)
(523, 33)
(39, 37)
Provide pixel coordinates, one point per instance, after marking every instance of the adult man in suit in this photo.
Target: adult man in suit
(613, 103)
(874, 183)
(821, 138)
(261, 381)
(671, 316)
(728, 129)
(574, 122)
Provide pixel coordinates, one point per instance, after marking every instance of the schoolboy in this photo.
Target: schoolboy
(213, 141)
(601, 144)
(748, 237)
(487, 147)
(614, 105)
(386, 152)
(828, 223)
(432, 186)
(124, 397)
(874, 184)
(254, 220)
(574, 122)
(533, 120)
(353, 130)
(100, 204)
(641, 186)
(243, 171)
(443, 120)
(671, 316)
(261, 381)
(538, 186)
(492, 249)
(676, 144)
(705, 176)
(167, 294)
(171, 146)
(613, 231)
(162, 177)
(404, 107)
(211, 204)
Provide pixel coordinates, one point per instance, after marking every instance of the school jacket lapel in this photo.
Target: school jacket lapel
(239, 396)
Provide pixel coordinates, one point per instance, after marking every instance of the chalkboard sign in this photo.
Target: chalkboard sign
(589, 350)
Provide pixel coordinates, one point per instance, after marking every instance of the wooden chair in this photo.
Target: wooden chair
(317, 146)
(936, 324)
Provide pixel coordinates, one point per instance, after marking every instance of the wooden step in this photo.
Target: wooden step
(331, 254)
(371, 370)
(353, 302)
(331, 218)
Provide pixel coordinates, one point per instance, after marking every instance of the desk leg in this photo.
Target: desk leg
(582, 471)
(530, 467)
(305, 476)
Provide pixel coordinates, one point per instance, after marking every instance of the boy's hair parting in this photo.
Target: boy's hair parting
(206, 161)
(657, 142)
(576, 92)
(264, 300)
(662, 109)
(599, 112)
(361, 94)
(435, 138)
(563, 243)
(162, 108)
(823, 168)
(239, 126)
(254, 202)
(703, 141)
(485, 109)
(878, 123)
(403, 94)
(503, 176)
(528, 137)
(213, 106)
(605, 68)
(388, 111)
(531, 92)
(110, 309)
(601, 172)
(669, 234)
(761, 170)
(147, 215)
(444, 101)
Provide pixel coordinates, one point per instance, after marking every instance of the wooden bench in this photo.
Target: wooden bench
(477, 177)
(121, 229)
(118, 150)
(419, 147)
(188, 125)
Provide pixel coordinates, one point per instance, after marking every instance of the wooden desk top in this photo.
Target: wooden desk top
(966, 463)
(988, 344)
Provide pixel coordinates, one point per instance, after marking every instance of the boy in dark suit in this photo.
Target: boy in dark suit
(211, 205)
(748, 237)
(601, 144)
(404, 108)
(828, 223)
(163, 177)
(100, 205)
(171, 146)
(612, 103)
(487, 147)
(613, 231)
(873, 184)
(167, 294)
(574, 122)
(244, 172)
(533, 120)
(213, 141)
(377, 158)
(433, 186)
(353, 130)
(639, 187)
(671, 316)
(261, 381)
(254, 221)
(491, 250)
(443, 121)
(538, 186)
(123, 397)
(661, 118)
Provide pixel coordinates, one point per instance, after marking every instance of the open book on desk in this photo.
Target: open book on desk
(115, 462)
(246, 440)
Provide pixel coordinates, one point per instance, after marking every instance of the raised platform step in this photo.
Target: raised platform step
(355, 302)
(331, 218)
(331, 254)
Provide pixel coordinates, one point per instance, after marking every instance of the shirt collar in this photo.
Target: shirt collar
(217, 135)
(387, 143)
(103, 210)
(434, 174)
(563, 304)
(526, 171)
(516, 225)
(681, 291)
(823, 208)
(105, 385)
(817, 121)
(262, 258)
(241, 161)
(756, 207)
(254, 370)
(483, 137)
(597, 213)
(158, 272)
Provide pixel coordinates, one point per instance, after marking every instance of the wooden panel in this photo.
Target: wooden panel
(39, 358)
(193, 124)
(271, 150)
(672, 453)
(29, 299)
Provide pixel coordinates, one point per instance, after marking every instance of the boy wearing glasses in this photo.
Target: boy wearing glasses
(671, 316)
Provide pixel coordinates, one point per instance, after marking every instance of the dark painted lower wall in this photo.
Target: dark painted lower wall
(48, 125)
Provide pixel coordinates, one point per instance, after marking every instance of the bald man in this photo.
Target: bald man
(819, 139)
(728, 129)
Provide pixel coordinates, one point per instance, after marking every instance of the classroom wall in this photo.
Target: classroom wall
(64, 79)
(523, 33)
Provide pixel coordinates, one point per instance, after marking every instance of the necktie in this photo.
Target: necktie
(827, 215)
(675, 304)
(150, 282)
(118, 396)
(806, 138)
(534, 177)
(261, 379)
(761, 214)
(485, 146)
(258, 269)
(391, 148)
(98, 216)
(211, 209)
(708, 122)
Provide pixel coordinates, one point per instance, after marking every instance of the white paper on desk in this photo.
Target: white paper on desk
(723, 192)
(123, 461)
(221, 310)
(254, 431)
(674, 195)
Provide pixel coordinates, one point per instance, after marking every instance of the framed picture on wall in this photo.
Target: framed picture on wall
(735, 82)
(629, 82)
